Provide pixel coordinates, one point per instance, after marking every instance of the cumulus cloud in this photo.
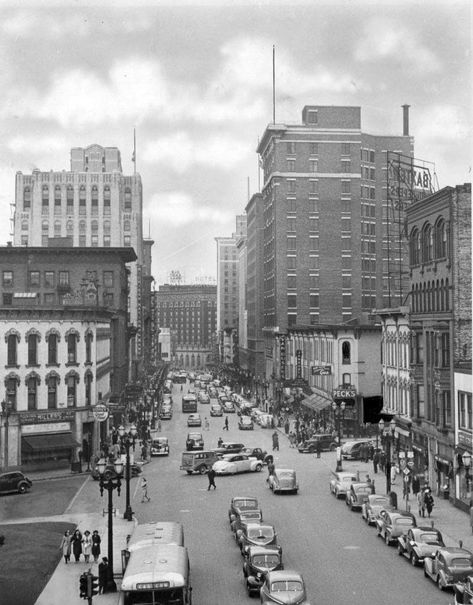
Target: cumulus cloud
(389, 40)
(32, 144)
(178, 208)
(443, 123)
(180, 151)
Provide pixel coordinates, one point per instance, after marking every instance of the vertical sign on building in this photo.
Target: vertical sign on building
(282, 357)
(139, 312)
(298, 363)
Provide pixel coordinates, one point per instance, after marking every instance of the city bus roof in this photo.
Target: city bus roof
(161, 532)
(153, 567)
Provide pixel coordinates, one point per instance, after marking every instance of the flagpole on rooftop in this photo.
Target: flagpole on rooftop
(133, 159)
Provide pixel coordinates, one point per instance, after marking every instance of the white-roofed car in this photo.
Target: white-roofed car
(283, 480)
(284, 587)
(231, 464)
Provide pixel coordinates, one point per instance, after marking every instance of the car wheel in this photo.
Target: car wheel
(22, 489)
(400, 550)
(414, 560)
(387, 539)
(202, 469)
(351, 506)
(258, 468)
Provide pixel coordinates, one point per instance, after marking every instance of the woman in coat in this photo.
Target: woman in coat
(66, 546)
(87, 545)
(96, 540)
(77, 545)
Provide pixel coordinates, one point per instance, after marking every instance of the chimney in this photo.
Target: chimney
(405, 120)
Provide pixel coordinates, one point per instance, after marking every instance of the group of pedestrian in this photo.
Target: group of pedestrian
(425, 501)
(79, 544)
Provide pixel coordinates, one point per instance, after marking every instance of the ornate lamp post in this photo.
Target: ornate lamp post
(110, 481)
(339, 417)
(127, 440)
(388, 440)
(466, 459)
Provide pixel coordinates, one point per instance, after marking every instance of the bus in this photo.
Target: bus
(189, 404)
(160, 532)
(167, 386)
(157, 575)
(180, 377)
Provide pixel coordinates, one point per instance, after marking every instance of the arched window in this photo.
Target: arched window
(52, 380)
(346, 352)
(12, 338)
(95, 201)
(440, 239)
(53, 339)
(71, 382)
(26, 198)
(70, 227)
(12, 382)
(57, 199)
(427, 244)
(32, 382)
(126, 225)
(33, 349)
(88, 378)
(57, 228)
(82, 227)
(414, 247)
(71, 338)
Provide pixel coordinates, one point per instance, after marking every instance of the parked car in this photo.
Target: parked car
(256, 534)
(197, 461)
(159, 446)
(258, 562)
(216, 409)
(266, 421)
(14, 482)
(245, 516)
(419, 543)
(229, 447)
(322, 441)
(231, 464)
(245, 423)
(284, 586)
(463, 592)
(228, 406)
(373, 506)
(449, 566)
(109, 473)
(194, 420)
(241, 503)
(392, 524)
(283, 480)
(358, 494)
(257, 452)
(194, 441)
(351, 449)
(340, 483)
(166, 412)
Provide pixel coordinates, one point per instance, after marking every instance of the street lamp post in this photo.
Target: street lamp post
(110, 482)
(339, 416)
(466, 459)
(127, 440)
(388, 440)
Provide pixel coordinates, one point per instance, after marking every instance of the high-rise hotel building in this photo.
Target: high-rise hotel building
(94, 205)
(326, 236)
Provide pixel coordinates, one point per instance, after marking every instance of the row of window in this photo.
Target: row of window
(52, 343)
(94, 240)
(94, 226)
(432, 296)
(345, 186)
(53, 298)
(52, 278)
(293, 297)
(62, 193)
(429, 243)
(291, 146)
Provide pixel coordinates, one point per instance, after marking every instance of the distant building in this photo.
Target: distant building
(187, 320)
(64, 329)
(95, 205)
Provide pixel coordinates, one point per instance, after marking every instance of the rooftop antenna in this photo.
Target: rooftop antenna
(274, 84)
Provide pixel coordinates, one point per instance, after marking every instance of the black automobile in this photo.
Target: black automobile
(245, 516)
(316, 443)
(241, 503)
(256, 534)
(194, 441)
(229, 447)
(258, 561)
(257, 452)
(14, 482)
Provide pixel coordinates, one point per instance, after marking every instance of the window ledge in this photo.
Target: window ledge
(17, 367)
(72, 363)
(89, 363)
(53, 365)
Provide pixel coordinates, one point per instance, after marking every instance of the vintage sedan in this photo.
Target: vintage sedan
(256, 534)
(258, 562)
(228, 406)
(284, 587)
(246, 516)
(245, 423)
(449, 566)
(241, 503)
(257, 452)
(357, 494)
(231, 464)
(216, 409)
(203, 397)
(194, 420)
(229, 447)
(320, 442)
(373, 506)
(283, 480)
(194, 441)
(14, 482)
(392, 524)
(340, 483)
(419, 543)
(166, 412)
(463, 592)
(159, 446)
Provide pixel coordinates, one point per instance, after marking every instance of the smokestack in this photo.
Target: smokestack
(405, 120)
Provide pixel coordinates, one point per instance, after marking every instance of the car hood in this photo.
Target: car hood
(288, 598)
(426, 549)
(261, 540)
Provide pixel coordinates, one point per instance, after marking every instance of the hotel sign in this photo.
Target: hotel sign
(282, 357)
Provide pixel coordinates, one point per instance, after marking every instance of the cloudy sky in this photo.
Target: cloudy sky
(195, 80)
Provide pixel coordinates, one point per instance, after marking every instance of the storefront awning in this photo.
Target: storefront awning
(58, 441)
(316, 402)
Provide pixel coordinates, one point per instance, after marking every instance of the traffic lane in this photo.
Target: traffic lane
(47, 497)
(338, 554)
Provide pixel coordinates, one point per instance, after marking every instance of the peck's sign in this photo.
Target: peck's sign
(344, 394)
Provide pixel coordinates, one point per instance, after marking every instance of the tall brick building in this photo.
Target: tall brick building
(325, 217)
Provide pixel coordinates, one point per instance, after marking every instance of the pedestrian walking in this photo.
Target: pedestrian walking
(66, 546)
(96, 540)
(144, 490)
(103, 575)
(271, 469)
(206, 424)
(225, 425)
(420, 504)
(318, 448)
(76, 543)
(159, 425)
(382, 460)
(87, 545)
(428, 501)
(275, 441)
(144, 452)
(219, 442)
(375, 461)
(211, 478)
(415, 485)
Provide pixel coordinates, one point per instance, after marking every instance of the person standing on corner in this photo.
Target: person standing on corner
(103, 575)
(144, 490)
(275, 441)
(211, 477)
(96, 540)
(271, 469)
(66, 546)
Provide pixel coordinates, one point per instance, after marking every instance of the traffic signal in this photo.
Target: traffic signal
(93, 585)
(83, 586)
